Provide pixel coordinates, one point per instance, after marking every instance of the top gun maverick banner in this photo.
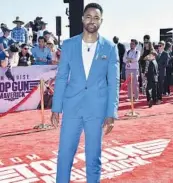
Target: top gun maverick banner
(26, 78)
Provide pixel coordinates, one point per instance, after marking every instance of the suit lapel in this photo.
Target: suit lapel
(79, 48)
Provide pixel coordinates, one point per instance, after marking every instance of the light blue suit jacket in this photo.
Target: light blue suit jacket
(97, 96)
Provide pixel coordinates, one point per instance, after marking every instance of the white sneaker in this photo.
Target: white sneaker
(137, 100)
(128, 100)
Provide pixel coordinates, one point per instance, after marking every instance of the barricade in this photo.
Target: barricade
(33, 89)
(43, 125)
(44, 84)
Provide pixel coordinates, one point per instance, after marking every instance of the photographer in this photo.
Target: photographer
(36, 27)
(41, 31)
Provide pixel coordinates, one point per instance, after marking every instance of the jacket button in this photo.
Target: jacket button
(86, 88)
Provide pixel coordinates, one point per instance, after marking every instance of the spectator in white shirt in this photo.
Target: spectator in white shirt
(131, 59)
(28, 26)
(43, 28)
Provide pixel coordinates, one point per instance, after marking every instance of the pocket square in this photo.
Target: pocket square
(104, 57)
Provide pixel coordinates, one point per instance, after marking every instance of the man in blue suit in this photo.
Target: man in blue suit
(87, 93)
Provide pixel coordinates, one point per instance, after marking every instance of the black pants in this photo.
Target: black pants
(120, 73)
(151, 91)
(167, 81)
(160, 87)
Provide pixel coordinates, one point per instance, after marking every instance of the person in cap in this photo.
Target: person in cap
(5, 40)
(19, 33)
(38, 20)
(43, 28)
(36, 27)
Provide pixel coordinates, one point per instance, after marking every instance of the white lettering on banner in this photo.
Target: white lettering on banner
(117, 160)
(26, 78)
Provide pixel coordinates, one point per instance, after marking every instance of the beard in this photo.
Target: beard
(91, 28)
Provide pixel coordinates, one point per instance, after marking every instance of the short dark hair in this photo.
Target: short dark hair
(46, 32)
(41, 37)
(146, 37)
(115, 39)
(23, 45)
(134, 41)
(93, 5)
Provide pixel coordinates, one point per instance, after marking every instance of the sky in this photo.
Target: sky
(123, 18)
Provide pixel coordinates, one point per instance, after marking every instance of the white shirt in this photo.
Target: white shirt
(40, 33)
(88, 52)
(1, 33)
(134, 55)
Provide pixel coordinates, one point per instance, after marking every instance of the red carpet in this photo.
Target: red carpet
(137, 150)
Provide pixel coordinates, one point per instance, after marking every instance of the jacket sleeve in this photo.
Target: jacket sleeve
(165, 59)
(61, 79)
(113, 78)
(125, 57)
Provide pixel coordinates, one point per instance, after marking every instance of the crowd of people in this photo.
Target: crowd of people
(150, 64)
(29, 44)
(151, 68)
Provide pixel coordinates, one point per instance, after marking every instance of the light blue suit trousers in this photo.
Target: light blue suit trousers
(85, 103)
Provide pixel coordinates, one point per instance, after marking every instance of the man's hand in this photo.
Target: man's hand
(55, 119)
(108, 125)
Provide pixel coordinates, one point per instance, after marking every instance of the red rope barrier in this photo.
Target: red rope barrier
(20, 103)
(124, 85)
